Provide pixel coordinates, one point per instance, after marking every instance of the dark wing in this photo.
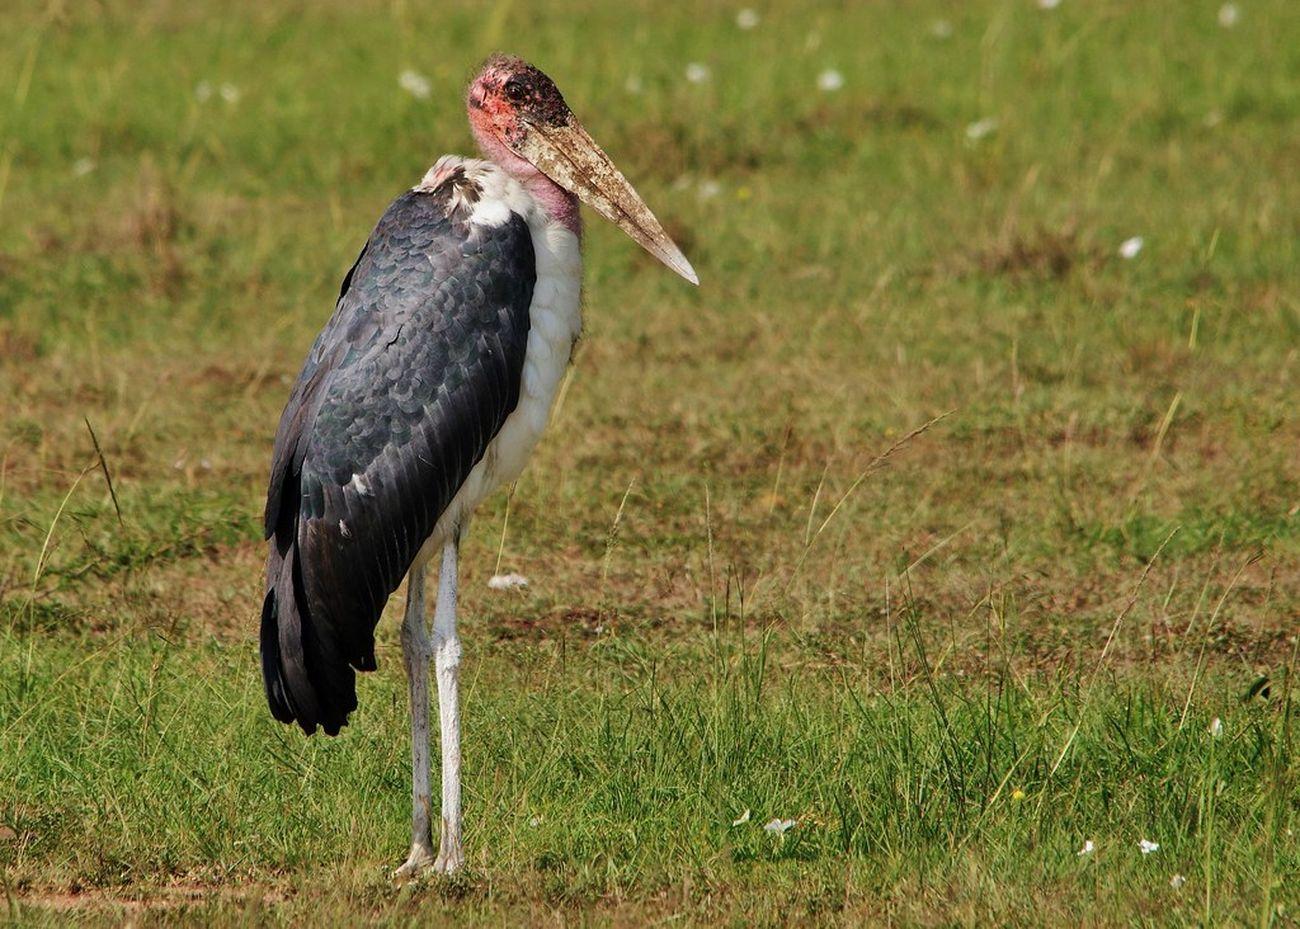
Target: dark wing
(398, 400)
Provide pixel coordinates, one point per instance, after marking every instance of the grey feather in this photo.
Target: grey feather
(406, 386)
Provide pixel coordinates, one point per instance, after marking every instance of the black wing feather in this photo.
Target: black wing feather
(405, 387)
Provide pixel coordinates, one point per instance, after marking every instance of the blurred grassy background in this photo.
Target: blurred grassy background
(734, 603)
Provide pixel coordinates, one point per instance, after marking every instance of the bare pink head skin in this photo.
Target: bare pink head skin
(506, 86)
(521, 122)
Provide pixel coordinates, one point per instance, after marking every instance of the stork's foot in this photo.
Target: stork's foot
(451, 854)
(449, 862)
(419, 861)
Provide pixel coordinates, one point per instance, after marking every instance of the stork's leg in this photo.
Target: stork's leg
(415, 655)
(446, 657)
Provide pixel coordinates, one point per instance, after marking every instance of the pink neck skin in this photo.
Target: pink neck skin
(558, 203)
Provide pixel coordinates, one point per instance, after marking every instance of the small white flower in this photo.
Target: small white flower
(1148, 846)
(1088, 848)
(633, 84)
(1177, 881)
(82, 166)
(230, 93)
(941, 29)
(1229, 15)
(779, 826)
(415, 84)
(1129, 248)
(697, 73)
(534, 821)
(741, 819)
(747, 18)
(203, 91)
(981, 128)
(1048, 4)
(709, 189)
(507, 581)
(830, 81)
(1216, 728)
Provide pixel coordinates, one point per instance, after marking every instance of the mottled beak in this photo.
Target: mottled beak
(569, 156)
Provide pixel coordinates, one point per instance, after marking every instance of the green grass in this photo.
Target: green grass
(952, 666)
(598, 776)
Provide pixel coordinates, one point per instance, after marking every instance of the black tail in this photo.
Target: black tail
(303, 684)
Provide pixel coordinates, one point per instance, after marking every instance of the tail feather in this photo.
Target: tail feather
(277, 693)
(305, 682)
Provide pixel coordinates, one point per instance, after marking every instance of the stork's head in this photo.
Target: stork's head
(521, 122)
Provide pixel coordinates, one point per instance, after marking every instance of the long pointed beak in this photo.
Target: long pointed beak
(570, 157)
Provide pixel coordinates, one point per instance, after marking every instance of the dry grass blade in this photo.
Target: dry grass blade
(505, 525)
(872, 465)
(1105, 650)
(875, 463)
(611, 540)
(103, 466)
(1205, 635)
(49, 533)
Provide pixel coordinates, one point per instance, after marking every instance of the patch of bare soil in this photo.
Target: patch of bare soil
(165, 897)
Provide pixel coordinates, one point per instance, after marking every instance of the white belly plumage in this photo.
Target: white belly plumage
(555, 319)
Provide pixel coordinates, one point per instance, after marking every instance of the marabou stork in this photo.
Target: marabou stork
(428, 388)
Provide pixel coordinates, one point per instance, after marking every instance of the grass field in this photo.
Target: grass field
(759, 588)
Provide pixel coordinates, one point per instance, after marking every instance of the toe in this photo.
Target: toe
(417, 862)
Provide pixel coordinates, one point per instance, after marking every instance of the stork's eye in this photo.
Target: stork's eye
(516, 90)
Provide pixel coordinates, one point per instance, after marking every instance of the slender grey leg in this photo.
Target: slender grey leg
(446, 657)
(415, 655)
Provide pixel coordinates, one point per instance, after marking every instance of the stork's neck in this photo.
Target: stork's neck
(558, 203)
